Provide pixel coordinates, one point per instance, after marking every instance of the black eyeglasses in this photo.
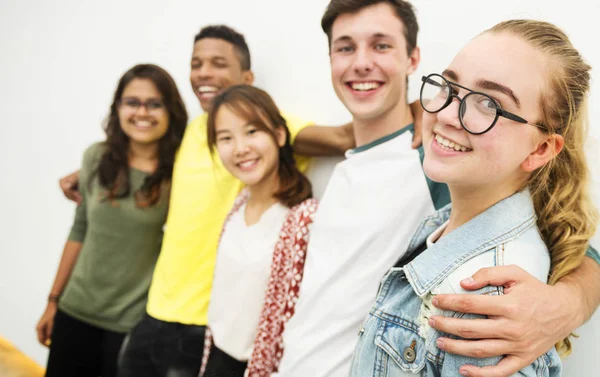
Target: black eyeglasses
(133, 104)
(477, 111)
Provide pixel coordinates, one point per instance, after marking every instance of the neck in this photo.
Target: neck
(261, 194)
(143, 151)
(143, 157)
(368, 130)
(469, 201)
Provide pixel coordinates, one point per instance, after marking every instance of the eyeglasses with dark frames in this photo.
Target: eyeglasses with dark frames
(477, 112)
(132, 104)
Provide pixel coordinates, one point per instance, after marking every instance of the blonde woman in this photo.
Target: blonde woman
(507, 137)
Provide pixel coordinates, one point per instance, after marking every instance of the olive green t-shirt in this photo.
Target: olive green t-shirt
(121, 242)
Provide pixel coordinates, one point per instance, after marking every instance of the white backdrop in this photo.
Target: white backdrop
(61, 61)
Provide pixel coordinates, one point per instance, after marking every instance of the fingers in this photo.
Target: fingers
(417, 112)
(417, 138)
(41, 333)
(474, 304)
(498, 276)
(505, 368)
(76, 197)
(68, 185)
(479, 349)
(484, 328)
(48, 334)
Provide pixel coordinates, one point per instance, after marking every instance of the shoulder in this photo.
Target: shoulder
(95, 149)
(195, 128)
(527, 251)
(200, 120)
(300, 217)
(306, 210)
(93, 153)
(241, 199)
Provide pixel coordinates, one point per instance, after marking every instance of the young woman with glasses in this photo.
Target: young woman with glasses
(100, 289)
(505, 128)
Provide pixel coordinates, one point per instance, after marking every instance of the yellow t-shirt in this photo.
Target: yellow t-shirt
(202, 194)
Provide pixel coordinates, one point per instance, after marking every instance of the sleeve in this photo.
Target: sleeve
(547, 365)
(536, 262)
(295, 125)
(79, 227)
(592, 253)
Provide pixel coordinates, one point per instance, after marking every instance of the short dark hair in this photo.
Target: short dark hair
(404, 11)
(230, 35)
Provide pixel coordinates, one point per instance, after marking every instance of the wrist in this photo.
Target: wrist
(572, 298)
(53, 298)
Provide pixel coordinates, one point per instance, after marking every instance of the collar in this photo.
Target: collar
(503, 221)
(381, 140)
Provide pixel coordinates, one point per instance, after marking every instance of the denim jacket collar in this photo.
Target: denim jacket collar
(503, 221)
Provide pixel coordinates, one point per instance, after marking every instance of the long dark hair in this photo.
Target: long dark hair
(113, 169)
(256, 106)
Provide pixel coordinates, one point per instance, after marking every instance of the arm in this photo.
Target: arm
(67, 262)
(72, 246)
(69, 185)
(521, 325)
(324, 140)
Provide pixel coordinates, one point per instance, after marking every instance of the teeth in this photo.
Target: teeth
(207, 89)
(365, 86)
(450, 145)
(142, 123)
(246, 164)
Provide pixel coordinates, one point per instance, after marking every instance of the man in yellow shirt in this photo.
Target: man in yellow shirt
(169, 340)
(171, 336)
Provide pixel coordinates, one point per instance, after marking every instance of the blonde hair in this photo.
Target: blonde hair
(567, 218)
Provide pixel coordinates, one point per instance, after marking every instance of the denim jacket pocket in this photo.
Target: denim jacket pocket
(400, 347)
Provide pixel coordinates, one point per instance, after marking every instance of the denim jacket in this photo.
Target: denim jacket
(395, 338)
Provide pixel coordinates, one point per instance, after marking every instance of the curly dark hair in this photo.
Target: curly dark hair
(113, 168)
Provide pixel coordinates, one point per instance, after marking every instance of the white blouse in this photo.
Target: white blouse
(241, 277)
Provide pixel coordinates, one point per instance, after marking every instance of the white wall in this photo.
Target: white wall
(61, 61)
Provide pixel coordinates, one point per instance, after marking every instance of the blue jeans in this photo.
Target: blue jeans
(157, 348)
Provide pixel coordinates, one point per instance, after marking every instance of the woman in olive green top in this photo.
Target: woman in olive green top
(102, 282)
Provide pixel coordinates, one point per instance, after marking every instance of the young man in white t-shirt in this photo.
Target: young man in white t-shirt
(374, 201)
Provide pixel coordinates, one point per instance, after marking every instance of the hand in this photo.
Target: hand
(522, 324)
(68, 185)
(417, 112)
(46, 324)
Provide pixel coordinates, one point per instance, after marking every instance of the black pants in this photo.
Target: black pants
(82, 350)
(221, 364)
(159, 349)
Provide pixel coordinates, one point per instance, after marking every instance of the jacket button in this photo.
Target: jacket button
(409, 354)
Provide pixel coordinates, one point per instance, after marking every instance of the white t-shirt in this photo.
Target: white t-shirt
(373, 203)
(241, 276)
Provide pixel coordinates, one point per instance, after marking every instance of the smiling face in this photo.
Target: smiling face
(513, 73)
(248, 150)
(369, 61)
(142, 114)
(215, 66)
